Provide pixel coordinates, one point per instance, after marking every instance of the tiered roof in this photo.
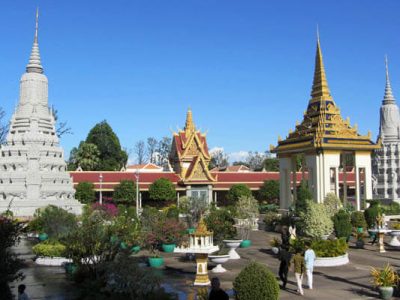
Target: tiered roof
(189, 154)
(323, 126)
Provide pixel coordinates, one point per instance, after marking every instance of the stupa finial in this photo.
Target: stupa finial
(189, 125)
(34, 64)
(388, 98)
(320, 88)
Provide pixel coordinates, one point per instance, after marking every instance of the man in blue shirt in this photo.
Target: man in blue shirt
(309, 258)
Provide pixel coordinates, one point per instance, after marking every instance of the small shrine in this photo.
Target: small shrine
(201, 244)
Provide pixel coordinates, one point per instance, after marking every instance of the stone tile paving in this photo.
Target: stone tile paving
(348, 282)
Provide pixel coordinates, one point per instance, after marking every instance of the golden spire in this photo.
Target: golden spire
(189, 125)
(320, 89)
(202, 228)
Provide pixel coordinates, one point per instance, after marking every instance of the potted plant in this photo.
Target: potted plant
(152, 244)
(222, 256)
(247, 211)
(358, 221)
(359, 239)
(170, 233)
(384, 279)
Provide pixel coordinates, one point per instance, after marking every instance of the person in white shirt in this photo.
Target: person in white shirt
(309, 258)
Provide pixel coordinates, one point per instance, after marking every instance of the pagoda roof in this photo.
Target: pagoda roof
(323, 127)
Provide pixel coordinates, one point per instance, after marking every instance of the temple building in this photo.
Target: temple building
(386, 162)
(33, 169)
(326, 145)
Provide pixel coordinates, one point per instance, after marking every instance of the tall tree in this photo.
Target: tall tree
(219, 159)
(164, 148)
(255, 160)
(140, 152)
(87, 156)
(152, 144)
(271, 164)
(112, 156)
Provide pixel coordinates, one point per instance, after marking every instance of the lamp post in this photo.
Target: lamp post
(137, 191)
(101, 186)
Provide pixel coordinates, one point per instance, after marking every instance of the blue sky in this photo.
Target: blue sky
(244, 67)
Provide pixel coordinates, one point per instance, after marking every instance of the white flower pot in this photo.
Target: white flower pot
(219, 260)
(395, 241)
(232, 245)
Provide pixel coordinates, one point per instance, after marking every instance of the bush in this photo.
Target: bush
(391, 209)
(303, 194)
(358, 219)
(85, 192)
(342, 224)
(264, 208)
(332, 203)
(54, 221)
(269, 191)
(271, 219)
(220, 222)
(162, 189)
(49, 249)
(247, 207)
(315, 221)
(238, 190)
(125, 192)
(371, 213)
(330, 248)
(256, 281)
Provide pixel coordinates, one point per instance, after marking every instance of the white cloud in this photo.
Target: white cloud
(238, 156)
(215, 149)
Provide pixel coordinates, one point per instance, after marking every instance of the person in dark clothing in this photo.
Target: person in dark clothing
(285, 257)
(216, 292)
(285, 237)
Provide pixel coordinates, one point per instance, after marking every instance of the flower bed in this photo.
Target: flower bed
(332, 261)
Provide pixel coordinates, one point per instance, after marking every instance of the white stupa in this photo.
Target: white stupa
(33, 170)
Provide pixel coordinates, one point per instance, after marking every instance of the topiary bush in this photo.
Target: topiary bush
(342, 224)
(220, 222)
(332, 203)
(49, 249)
(303, 194)
(256, 281)
(314, 220)
(371, 213)
(238, 190)
(358, 219)
(330, 248)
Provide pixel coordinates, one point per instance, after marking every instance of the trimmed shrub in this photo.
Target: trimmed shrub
(371, 213)
(125, 192)
(315, 221)
(269, 191)
(256, 281)
(303, 194)
(247, 207)
(330, 248)
(85, 192)
(238, 190)
(342, 224)
(220, 222)
(162, 190)
(358, 219)
(332, 203)
(50, 249)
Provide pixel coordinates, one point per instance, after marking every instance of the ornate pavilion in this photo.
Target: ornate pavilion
(326, 145)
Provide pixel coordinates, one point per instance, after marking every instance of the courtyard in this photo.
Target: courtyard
(351, 281)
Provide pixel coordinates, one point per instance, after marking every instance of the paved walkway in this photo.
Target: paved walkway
(347, 282)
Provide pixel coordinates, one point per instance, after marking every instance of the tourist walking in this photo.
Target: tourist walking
(216, 292)
(299, 268)
(284, 257)
(309, 258)
(21, 292)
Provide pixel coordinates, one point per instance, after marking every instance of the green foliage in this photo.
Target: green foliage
(315, 221)
(193, 208)
(358, 219)
(112, 157)
(87, 156)
(303, 194)
(264, 208)
(84, 192)
(330, 248)
(49, 249)
(271, 219)
(10, 264)
(220, 222)
(125, 192)
(126, 226)
(162, 189)
(247, 207)
(391, 209)
(54, 221)
(271, 164)
(238, 190)
(256, 281)
(371, 213)
(342, 224)
(270, 191)
(332, 203)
